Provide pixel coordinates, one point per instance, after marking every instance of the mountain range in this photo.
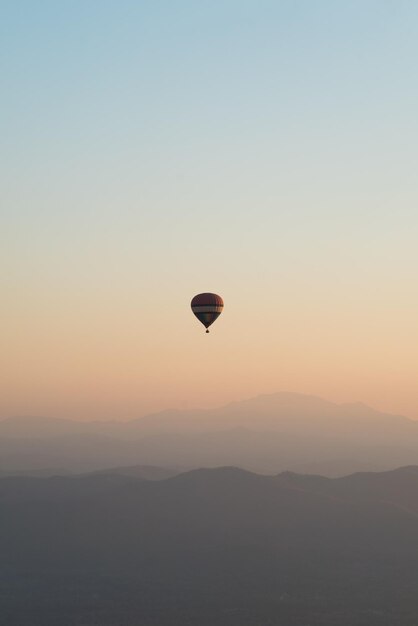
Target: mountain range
(211, 546)
(267, 434)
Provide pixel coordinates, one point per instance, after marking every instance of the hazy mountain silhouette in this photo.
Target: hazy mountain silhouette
(142, 472)
(279, 411)
(208, 547)
(271, 433)
(397, 487)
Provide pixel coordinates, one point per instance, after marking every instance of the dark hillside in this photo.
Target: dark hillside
(208, 547)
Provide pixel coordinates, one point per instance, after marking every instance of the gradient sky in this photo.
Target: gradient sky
(265, 150)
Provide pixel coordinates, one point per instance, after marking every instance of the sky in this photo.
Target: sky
(263, 150)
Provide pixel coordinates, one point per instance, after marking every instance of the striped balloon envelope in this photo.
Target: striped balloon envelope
(207, 307)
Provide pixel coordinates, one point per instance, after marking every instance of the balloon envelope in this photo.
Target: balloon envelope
(207, 307)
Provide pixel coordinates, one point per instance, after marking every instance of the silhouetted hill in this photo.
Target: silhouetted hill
(222, 546)
(266, 434)
(280, 411)
(397, 487)
(143, 472)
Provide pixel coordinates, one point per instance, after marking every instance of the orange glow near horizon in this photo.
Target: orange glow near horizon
(123, 361)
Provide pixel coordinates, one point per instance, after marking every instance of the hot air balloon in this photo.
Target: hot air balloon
(207, 307)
